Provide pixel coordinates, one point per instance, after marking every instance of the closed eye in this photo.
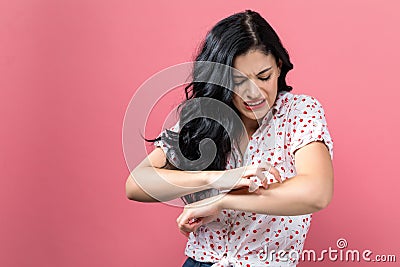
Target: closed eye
(260, 78)
(264, 78)
(239, 83)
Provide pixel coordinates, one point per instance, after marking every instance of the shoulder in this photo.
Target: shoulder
(303, 99)
(289, 104)
(305, 105)
(285, 98)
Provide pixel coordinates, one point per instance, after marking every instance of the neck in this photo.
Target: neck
(250, 125)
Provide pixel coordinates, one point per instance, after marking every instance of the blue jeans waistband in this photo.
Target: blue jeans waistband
(193, 263)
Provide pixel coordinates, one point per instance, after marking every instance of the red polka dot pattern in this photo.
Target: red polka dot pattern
(236, 237)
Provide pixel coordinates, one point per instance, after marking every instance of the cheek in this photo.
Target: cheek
(236, 101)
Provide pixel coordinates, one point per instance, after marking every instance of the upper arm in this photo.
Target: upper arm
(156, 159)
(311, 147)
(314, 161)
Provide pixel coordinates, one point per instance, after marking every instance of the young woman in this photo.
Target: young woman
(276, 169)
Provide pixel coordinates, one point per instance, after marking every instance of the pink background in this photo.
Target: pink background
(68, 70)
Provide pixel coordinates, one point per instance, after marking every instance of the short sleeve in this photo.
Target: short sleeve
(165, 146)
(307, 123)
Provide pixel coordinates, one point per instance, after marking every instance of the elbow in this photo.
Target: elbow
(130, 195)
(135, 193)
(322, 200)
(130, 189)
(321, 203)
(319, 197)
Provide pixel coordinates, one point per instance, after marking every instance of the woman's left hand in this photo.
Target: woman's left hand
(198, 213)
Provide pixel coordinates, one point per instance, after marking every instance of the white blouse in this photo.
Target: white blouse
(238, 238)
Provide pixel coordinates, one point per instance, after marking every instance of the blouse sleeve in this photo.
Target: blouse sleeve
(307, 124)
(160, 143)
(169, 153)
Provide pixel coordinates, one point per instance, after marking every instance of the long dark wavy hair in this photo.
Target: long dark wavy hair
(233, 36)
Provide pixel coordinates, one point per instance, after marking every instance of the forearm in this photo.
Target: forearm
(297, 195)
(158, 184)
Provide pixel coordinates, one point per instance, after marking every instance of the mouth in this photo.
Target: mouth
(251, 105)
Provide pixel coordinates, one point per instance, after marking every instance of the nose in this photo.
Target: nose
(252, 91)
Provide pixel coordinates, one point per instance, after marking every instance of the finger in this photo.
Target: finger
(252, 186)
(253, 171)
(190, 227)
(194, 220)
(185, 228)
(196, 225)
(276, 174)
(179, 218)
(262, 177)
(265, 183)
(189, 220)
(184, 233)
(259, 191)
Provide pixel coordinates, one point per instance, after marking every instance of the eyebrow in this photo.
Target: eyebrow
(261, 72)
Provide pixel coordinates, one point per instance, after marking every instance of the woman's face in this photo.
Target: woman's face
(256, 84)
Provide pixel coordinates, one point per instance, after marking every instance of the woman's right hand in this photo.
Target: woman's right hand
(241, 177)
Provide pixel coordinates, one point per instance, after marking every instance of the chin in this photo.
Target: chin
(257, 115)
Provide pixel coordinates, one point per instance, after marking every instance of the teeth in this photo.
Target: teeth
(256, 103)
